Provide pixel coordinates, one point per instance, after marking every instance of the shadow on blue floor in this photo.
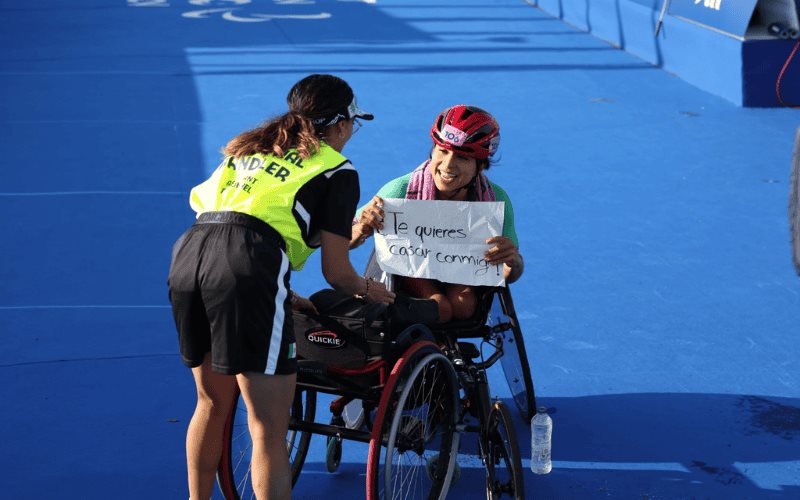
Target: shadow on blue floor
(703, 445)
(112, 91)
(633, 446)
(109, 114)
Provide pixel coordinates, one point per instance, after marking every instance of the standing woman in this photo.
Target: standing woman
(283, 190)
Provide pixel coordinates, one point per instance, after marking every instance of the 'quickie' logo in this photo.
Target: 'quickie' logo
(326, 339)
(711, 4)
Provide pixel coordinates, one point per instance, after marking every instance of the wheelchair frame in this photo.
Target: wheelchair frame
(415, 420)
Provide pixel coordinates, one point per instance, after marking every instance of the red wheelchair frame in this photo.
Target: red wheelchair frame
(417, 399)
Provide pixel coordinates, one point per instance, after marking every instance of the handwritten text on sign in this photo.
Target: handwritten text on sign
(442, 240)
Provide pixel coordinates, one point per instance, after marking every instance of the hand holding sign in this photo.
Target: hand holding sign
(369, 221)
(503, 251)
(453, 242)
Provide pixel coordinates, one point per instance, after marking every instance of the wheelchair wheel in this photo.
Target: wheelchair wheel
(416, 424)
(333, 454)
(233, 473)
(515, 359)
(500, 452)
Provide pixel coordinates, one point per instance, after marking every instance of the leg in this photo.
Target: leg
(428, 289)
(215, 393)
(463, 299)
(268, 399)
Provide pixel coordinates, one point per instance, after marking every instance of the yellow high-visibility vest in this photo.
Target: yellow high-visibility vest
(265, 187)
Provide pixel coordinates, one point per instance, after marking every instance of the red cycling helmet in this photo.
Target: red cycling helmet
(467, 130)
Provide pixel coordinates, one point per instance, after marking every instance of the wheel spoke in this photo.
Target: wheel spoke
(501, 455)
(290, 437)
(236, 479)
(243, 453)
(243, 482)
(416, 432)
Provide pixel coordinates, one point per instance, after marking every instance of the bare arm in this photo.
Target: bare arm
(369, 220)
(339, 272)
(513, 271)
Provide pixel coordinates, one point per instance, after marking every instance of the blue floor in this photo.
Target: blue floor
(659, 304)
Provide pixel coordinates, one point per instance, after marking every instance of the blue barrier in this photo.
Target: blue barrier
(712, 44)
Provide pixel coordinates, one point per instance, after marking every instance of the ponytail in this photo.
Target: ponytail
(315, 102)
(290, 130)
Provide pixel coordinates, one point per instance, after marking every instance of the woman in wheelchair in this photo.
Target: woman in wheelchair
(465, 139)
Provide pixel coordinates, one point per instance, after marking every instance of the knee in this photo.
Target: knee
(445, 308)
(268, 430)
(463, 305)
(214, 407)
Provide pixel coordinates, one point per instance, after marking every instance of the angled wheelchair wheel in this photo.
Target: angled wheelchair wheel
(233, 473)
(414, 438)
(333, 453)
(304, 408)
(500, 453)
(514, 362)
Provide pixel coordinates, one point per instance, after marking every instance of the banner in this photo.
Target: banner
(441, 240)
(729, 16)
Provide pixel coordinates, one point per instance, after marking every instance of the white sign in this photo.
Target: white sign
(441, 240)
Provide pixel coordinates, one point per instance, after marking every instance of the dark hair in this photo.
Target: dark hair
(314, 102)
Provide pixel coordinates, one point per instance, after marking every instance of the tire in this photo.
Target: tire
(233, 473)
(500, 453)
(333, 454)
(414, 442)
(514, 362)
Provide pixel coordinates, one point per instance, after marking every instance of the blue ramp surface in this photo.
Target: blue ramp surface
(659, 304)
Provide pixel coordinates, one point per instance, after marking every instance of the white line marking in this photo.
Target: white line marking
(662, 466)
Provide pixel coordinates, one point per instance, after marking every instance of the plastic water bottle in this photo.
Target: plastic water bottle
(541, 436)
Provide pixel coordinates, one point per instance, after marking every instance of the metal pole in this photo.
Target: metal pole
(661, 16)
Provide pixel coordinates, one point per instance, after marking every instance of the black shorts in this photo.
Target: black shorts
(229, 289)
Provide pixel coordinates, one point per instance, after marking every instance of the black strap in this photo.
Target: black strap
(245, 220)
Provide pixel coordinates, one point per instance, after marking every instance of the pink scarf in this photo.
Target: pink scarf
(422, 187)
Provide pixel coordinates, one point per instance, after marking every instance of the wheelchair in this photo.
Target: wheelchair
(414, 392)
